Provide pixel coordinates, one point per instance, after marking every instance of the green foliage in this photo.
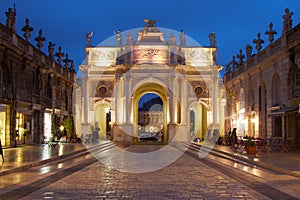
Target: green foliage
(67, 123)
(250, 143)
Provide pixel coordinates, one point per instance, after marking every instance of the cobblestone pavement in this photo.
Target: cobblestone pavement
(186, 178)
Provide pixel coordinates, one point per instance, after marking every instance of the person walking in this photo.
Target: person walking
(1, 151)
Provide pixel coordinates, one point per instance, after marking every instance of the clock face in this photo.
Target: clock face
(102, 90)
(198, 90)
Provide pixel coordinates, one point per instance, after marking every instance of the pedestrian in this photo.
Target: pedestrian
(1, 151)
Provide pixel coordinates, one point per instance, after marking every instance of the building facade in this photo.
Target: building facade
(36, 90)
(116, 75)
(263, 92)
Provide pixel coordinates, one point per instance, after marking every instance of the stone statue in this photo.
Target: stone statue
(271, 33)
(248, 51)
(67, 61)
(11, 18)
(172, 40)
(119, 37)
(258, 42)
(149, 26)
(72, 66)
(59, 55)
(182, 39)
(88, 39)
(150, 23)
(227, 69)
(212, 39)
(40, 39)
(233, 63)
(240, 57)
(27, 29)
(287, 20)
(51, 50)
(129, 39)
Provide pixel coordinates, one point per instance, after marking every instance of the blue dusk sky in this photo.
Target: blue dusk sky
(66, 22)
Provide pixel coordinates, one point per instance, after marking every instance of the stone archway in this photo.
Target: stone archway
(101, 127)
(198, 120)
(159, 90)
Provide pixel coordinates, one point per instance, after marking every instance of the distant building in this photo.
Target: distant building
(263, 93)
(117, 74)
(35, 90)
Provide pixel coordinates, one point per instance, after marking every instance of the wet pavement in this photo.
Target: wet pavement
(28, 155)
(183, 179)
(23, 156)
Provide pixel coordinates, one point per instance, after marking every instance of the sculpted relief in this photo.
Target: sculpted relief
(198, 56)
(150, 55)
(103, 57)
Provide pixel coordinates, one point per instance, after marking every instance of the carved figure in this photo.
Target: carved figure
(258, 42)
(212, 39)
(233, 63)
(182, 39)
(40, 39)
(150, 23)
(88, 38)
(240, 57)
(51, 50)
(59, 55)
(287, 20)
(11, 17)
(129, 39)
(172, 40)
(271, 33)
(67, 61)
(248, 51)
(27, 29)
(119, 37)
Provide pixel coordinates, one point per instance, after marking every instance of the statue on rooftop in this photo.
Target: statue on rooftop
(182, 39)
(287, 20)
(248, 51)
(149, 26)
(59, 55)
(271, 33)
(240, 57)
(233, 63)
(88, 39)
(119, 37)
(227, 69)
(258, 42)
(67, 61)
(11, 17)
(129, 39)
(150, 23)
(51, 50)
(212, 39)
(27, 29)
(40, 39)
(172, 40)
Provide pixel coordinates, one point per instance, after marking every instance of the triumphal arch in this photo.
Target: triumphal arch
(181, 78)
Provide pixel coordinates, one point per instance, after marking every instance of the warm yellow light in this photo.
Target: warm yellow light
(106, 110)
(61, 128)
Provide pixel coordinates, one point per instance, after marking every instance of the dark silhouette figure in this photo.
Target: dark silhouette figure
(1, 151)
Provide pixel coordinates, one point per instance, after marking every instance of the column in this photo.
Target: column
(117, 102)
(85, 97)
(128, 98)
(215, 96)
(184, 98)
(172, 99)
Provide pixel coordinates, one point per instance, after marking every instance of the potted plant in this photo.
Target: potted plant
(251, 148)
